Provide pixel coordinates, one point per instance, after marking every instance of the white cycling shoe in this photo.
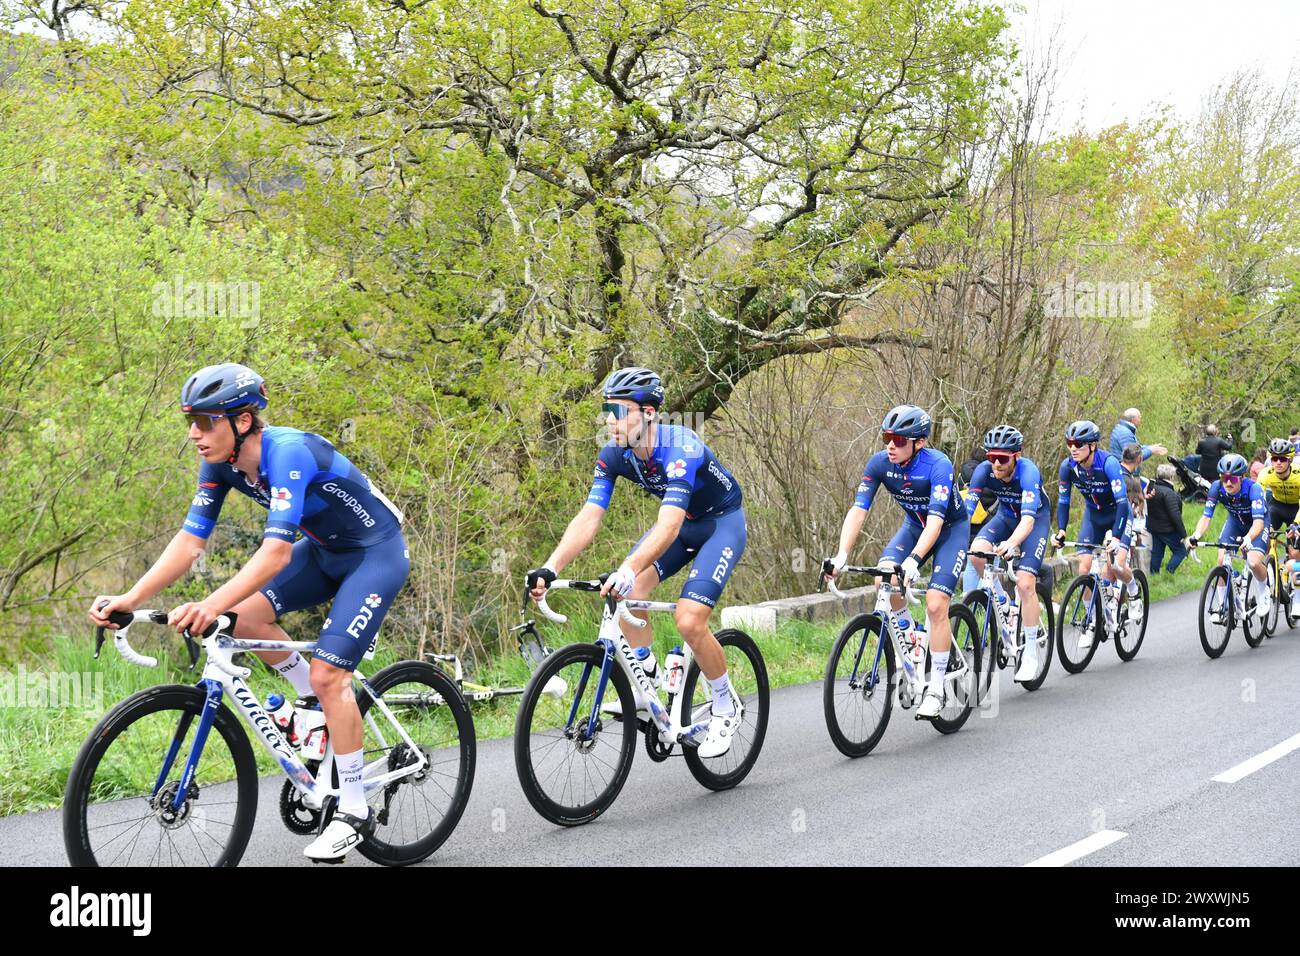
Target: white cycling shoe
(1028, 668)
(931, 704)
(344, 834)
(1135, 608)
(722, 731)
(1086, 636)
(1263, 603)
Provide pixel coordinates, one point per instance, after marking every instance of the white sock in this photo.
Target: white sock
(1217, 603)
(1031, 634)
(1133, 587)
(297, 672)
(352, 793)
(938, 666)
(722, 704)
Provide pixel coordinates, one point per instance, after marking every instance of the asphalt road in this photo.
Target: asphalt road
(1122, 755)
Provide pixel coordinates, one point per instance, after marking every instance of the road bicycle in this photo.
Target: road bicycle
(154, 785)
(862, 676)
(1083, 620)
(1228, 601)
(997, 615)
(573, 752)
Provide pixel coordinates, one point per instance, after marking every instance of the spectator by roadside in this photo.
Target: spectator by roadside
(1125, 433)
(1295, 439)
(1258, 463)
(1165, 521)
(1211, 448)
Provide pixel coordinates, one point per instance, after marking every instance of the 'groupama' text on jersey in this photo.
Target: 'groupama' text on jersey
(681, 470)
(305, 485)
(923, 486)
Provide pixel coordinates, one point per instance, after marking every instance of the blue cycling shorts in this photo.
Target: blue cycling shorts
(1234, 529)
(1033, 549)
(363, 583)
(1095, 524)
(948, 553)
(712, 547)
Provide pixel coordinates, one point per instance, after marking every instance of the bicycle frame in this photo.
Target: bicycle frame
(618, 650)
(222, 677)
(884, 610)
(994, 565)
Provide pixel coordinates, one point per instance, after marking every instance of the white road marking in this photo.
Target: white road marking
(1247, 767)
(1075, 851)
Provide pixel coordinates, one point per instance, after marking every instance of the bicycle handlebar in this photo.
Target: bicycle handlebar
(124, 620)
(618, 607)
(890, 572)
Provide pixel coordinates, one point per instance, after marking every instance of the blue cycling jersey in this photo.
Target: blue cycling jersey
(1246, 505)
(1102, 486)
(922, 486)
(306, 486)
(681, 470)
(1021, 493)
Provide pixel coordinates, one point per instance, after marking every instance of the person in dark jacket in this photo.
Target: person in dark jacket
(1165, 520)
(1211, 448)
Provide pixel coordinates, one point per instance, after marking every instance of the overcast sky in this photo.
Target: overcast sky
(1121, 57)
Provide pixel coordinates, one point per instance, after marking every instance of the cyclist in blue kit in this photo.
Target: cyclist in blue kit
(701, 523)
(1106, 515)
(935, 526)
(351, 550)
(1023, 521)
(1247, 527)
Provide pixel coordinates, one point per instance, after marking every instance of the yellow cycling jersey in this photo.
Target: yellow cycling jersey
(1284, 490)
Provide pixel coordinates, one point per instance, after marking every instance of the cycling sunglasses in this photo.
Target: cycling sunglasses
(205, 422)
(892, 438)
(999, 457)
(618, 411)
(1281, 458)
(1076, 444)
(1227, 478)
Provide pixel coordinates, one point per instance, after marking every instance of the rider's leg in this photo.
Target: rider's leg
(302, 584)
(646, 582)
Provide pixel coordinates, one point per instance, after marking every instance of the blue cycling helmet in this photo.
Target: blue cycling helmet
(908, 421)
(1233, 465)
(219, 389)
(1004, 438)
(635, 384)
(1084, 431)
(226, 390)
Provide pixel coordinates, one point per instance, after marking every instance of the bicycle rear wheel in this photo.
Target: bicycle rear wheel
(416, 814)
(859, 686)
(1216, 612)
(571, 764)
(118, 806)
(1080, 614)
(748, 676)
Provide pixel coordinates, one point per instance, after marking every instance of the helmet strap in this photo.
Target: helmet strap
(239, 439)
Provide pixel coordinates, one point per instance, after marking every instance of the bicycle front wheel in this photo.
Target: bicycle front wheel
(120, 803)
(1215, 616)
(415, 814)
(858, 690)
(1079, 623)
(748, 675)
(573, 751)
